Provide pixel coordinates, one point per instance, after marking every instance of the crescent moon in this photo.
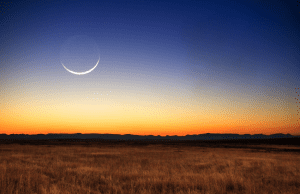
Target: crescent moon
(81, 73)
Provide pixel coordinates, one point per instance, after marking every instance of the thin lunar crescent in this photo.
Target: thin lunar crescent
(81, 73)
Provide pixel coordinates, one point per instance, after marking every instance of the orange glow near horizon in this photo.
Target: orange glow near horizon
(142, 119)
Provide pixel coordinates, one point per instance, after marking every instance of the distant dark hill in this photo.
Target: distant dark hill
(129, 137)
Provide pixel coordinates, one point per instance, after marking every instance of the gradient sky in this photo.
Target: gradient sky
(166, 67)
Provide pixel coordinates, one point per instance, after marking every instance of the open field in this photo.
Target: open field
(82, 167)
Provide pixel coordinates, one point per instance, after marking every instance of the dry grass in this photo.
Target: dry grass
(145, 169)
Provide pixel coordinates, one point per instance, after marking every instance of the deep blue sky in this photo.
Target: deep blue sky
(192, 64)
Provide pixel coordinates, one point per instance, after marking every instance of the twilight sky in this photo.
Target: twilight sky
(166, 67)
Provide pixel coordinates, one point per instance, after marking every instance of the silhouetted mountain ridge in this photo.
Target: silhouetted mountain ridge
(207, 136)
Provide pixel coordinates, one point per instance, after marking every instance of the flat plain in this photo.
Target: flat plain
(131, 167)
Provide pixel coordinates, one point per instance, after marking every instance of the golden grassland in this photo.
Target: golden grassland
(153, 168)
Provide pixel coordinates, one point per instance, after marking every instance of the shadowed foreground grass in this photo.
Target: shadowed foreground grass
(145, 169)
